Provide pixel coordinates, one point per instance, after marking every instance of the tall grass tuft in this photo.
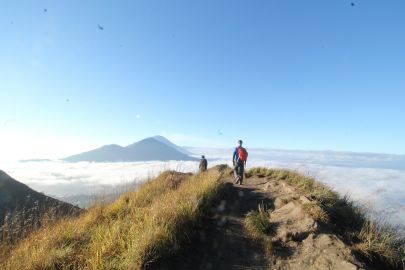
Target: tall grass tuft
(382, 240)
(257, 224)
(316, 212)
(20, 223)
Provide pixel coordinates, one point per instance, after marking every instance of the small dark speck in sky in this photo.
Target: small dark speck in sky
(45, 10)
(67, 100)
(352, 4)
(8, 121)
(100, 27)
(219, 132)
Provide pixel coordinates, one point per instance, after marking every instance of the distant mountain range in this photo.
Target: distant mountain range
(35, 160)
(156, 148)
(15, 197)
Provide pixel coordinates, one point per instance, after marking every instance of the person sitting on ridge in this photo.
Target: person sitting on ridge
(203, 164)
(239, 159)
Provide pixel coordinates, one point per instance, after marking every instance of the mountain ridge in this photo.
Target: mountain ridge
(155, 148)
(19, 203)
(169, 143)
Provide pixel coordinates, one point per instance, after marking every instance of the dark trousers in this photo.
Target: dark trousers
(239, 171)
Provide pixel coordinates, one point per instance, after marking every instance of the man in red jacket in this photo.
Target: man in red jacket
(239, 160)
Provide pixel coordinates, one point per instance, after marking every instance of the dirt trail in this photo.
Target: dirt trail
(302, 242)
(299, 242)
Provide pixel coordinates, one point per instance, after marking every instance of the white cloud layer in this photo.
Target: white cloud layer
(372, 179)
(60, 178)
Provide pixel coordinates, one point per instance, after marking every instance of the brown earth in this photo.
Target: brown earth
(299, 241)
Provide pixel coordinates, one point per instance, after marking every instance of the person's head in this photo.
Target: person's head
(240, 143)
(202, 156)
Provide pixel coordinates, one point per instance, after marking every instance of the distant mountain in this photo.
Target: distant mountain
(35, 160)
(149, 149)
(82, 200)
(172, 145)
(15, 197)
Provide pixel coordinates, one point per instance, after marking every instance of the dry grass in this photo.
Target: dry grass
(132, 232)
(381, 240)
(20, 223)
(257, 224)
(375, 239)
(316, 212)
(258, 172)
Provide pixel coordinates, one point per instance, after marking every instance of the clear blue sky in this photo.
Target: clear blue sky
(280, 74)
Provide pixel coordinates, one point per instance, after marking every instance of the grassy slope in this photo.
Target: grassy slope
(155, 221)
(23, 210)
(375, 239)
(137, 229)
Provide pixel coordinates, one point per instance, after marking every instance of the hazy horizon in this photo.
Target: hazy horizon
(77, 150)
(374, 180)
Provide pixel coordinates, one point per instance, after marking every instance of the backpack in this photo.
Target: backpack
(243, 154)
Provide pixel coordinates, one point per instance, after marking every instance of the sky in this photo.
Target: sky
(312, 75)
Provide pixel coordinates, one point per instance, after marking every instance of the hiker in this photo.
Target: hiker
(203, 164)
(240, 156)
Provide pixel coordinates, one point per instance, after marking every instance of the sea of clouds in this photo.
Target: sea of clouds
(374, 180)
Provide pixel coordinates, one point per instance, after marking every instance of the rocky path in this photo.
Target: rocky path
(298, 240)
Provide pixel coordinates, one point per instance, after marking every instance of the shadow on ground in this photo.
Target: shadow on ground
(221, 241)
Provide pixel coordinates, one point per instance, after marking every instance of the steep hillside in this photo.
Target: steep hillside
(149, 149)
(276, 220)
(21, 204)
